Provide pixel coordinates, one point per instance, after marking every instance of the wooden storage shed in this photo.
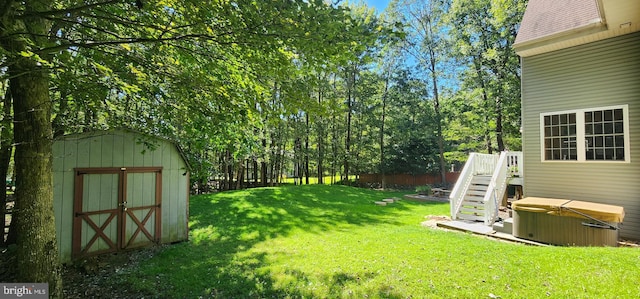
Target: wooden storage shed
(116, 190)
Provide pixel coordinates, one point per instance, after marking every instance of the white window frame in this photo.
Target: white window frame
(581, 135)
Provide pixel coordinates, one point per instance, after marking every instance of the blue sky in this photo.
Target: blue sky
(379, 5)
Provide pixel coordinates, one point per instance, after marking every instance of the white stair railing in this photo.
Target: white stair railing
(484, 164)
(462, 184)
(497, 188)
(515, 164)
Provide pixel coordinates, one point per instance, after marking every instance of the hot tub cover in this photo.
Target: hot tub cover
(570, 208)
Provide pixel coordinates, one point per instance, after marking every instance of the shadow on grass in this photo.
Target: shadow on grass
(272, 212)
(217, 261)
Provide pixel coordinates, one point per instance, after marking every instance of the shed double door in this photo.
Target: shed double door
(116, 209)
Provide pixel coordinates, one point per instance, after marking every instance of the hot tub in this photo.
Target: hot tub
(566, 222)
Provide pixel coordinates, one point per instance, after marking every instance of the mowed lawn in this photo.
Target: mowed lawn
(318, 241)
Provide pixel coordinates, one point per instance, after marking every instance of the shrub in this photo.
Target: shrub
(424, 190)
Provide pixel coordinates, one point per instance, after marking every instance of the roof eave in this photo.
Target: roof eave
(595, 26)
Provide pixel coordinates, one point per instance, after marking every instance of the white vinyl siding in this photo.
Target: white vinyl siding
(587, 77)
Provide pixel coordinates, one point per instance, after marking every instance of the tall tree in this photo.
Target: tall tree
(6, 148)
(483, 32)
(20, 38)
(428, 44)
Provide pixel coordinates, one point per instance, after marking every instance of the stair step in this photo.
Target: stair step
(470, 210)
(479, 199)
(508, 225)
(477, 192)
(481, 180)
(478, 187)
(472, 203)
(504, 227)
(498, 226)
(480, 193)
(470, 217)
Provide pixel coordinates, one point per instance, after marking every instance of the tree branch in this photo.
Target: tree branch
(71, 10)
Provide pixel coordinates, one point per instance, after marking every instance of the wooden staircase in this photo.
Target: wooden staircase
(473, 201)
(482, 184)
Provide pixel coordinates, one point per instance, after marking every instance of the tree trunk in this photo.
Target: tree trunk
(440, 138)
(240, 175)
(272, 170)
(499, 139)
(230, 175)
(320, 143)
(334, 149)
(246, 174)
(485, 99)
(297, 148)
(37, 252)
(263, 165)
(383, 183)
(347, 144)
(255, 172)
(355, 163)
(436, 106)
(58, 121)
(276, 163)
(306, 149)
(5, 156)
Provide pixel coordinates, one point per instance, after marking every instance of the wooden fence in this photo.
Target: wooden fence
(408, 179)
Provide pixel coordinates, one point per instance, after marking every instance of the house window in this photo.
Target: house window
(604, 133)
(598, 134)
(560, 137)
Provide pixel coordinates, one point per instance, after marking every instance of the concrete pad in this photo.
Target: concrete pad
(468, 226)
(417, 197)
(480, 229)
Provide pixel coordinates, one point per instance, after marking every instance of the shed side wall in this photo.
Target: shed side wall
(604, 73)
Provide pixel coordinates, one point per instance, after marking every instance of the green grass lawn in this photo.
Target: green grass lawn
(321, 241)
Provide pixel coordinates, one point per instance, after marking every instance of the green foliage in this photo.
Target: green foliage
(411, 127)
(425, 189)
(483, 33)
(237, 83)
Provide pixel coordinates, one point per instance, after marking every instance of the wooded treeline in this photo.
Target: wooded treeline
(253, 90)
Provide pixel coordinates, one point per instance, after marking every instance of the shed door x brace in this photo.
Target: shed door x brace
(116, 209)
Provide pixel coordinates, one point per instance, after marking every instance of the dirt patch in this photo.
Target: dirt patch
(102, 276)
(432, 221)
(95, 277)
